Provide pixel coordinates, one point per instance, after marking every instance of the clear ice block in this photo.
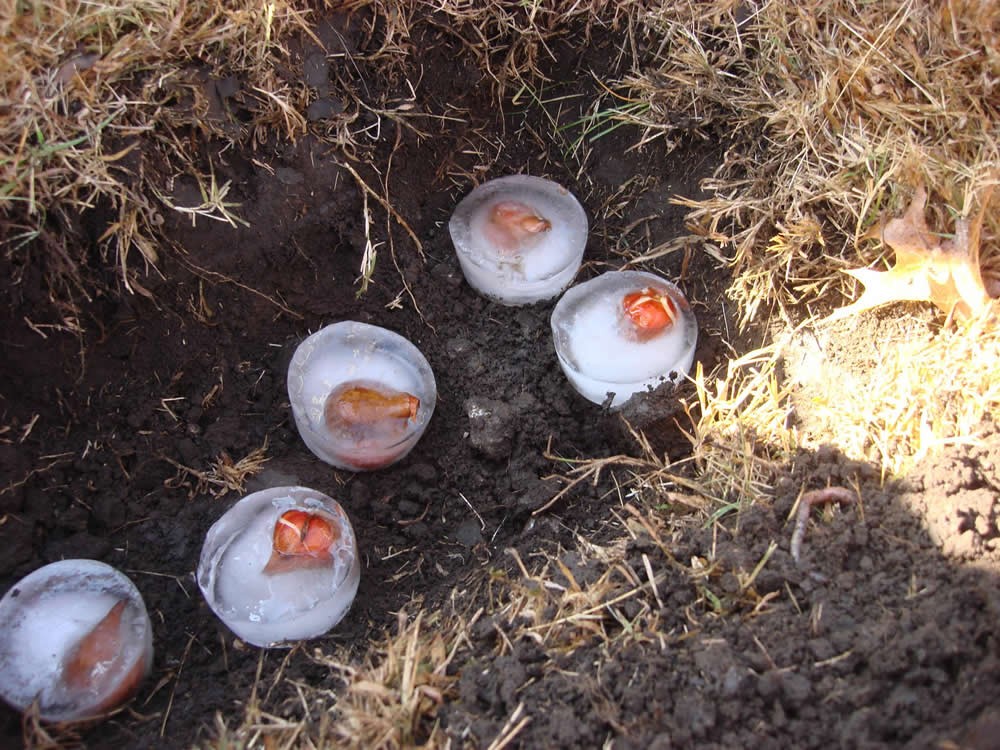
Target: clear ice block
(76, 636)
(519, 239)
(361, 395)
(269, 605)
(601, 348)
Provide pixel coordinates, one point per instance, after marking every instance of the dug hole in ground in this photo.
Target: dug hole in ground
(537, 572)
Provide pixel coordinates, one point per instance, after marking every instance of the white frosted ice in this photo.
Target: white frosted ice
(544, 264)
(46, 615)
(366, 355)
(597, 345)
(275, 609)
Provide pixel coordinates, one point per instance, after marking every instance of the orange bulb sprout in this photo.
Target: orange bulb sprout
(651, 311)
(91, 664)
(301, 540)
(360, 405)
(511, 224)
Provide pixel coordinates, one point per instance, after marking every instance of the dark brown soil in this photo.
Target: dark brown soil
(883, 636)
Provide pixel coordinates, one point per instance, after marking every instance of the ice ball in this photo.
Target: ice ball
(519, 239)
(621, 333)
(76, 636)
(280, 566)
(361, 395)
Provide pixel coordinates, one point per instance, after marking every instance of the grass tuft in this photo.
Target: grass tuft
(86, 82)
(838, 107)
(834, 112)
(391, 700)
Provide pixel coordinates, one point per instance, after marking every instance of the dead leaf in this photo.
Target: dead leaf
(946, 272)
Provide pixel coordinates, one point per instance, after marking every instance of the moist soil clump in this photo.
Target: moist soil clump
(124, 441)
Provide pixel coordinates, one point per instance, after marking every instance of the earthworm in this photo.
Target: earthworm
(809, 499)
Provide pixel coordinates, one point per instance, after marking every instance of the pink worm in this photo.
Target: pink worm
(815, 497)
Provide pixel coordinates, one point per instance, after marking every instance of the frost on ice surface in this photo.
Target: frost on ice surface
(76, 635)
(266, 589)
(519, 239)
(621, 333)
(361, 395)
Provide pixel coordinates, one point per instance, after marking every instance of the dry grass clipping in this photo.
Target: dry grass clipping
(739, 427)
(560, 614)
(224, 476)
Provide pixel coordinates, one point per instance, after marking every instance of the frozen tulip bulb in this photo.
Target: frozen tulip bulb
(76, 636)
(280, 566)
(519, 239)
(361, 395)
(622, 333)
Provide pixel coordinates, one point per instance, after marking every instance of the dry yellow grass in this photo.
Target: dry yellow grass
(839, 108)
(84, 81)
(839, 111)
(739, 430)
(386, 701)
(925, 390)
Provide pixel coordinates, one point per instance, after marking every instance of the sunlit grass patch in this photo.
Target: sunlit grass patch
(837, 108)
(835, 113)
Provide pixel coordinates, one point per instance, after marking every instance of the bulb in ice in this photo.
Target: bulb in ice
(355, 404)
(621, 333)
(281, 565)
(650, 311)
(519, 239)
(301, 540)
(76, 637)
(361, 395)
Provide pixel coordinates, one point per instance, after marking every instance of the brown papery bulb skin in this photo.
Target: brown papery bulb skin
(100, 645)
(360, 405)
(301, 540)
(512, 223)
(87, 668)
(650, 311)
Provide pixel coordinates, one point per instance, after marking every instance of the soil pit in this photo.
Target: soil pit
(884, 635)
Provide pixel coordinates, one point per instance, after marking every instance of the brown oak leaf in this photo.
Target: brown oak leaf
(928, 268)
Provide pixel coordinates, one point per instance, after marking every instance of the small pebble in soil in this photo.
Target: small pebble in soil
(492, 426)
(469, 533)
(361, 395)
(324, 108)
(622, 333)
(280, 566)
(519, 239)
(76, 637)
(316, 70)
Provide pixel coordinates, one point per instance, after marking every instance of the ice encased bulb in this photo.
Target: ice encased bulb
(533, 266)
(76, 636)
(275, 609)
(599, 349)
(361, 356)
